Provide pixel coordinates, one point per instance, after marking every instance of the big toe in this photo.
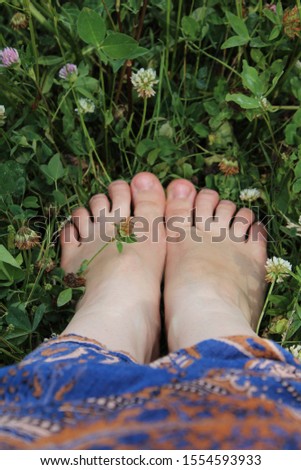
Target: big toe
(148, 196)
(148, 199)
(180, 201)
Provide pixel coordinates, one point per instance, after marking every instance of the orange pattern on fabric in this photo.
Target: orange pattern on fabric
(230, 393)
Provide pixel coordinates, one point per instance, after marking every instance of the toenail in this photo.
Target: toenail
(207, 191)
(143, 182)
(180, 191)
(118, 183)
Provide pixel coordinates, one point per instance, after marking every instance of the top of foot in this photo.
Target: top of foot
(215, 256)
(122, 289)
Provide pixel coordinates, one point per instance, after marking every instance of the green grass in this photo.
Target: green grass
(229, 81)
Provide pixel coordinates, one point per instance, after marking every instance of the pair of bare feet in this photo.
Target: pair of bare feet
(213, 265)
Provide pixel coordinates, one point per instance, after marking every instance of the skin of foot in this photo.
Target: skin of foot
(121, 304)
(214, 276)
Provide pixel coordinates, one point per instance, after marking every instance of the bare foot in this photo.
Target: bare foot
(120, 307)
(214, 277)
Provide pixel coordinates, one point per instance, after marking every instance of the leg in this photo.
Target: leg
(214, 279)
(120, 308)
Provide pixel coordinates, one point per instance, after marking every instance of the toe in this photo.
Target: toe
(70, 242)
(241, 224)
(180, 201)
(258, 237)
(99, 204)
(224, 213)
(148, 196)
(205, 204)
(120, 194)
(69, 236)
(81, 218)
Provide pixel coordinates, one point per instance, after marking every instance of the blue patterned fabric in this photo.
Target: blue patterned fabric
(229, 393)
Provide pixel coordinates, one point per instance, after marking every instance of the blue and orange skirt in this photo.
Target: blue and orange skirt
(229, 393)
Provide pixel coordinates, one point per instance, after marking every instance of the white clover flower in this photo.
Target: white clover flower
(85, 106)
(277, 269)
(250, 194)
(2, 114)
(143, 82)
(295, 351)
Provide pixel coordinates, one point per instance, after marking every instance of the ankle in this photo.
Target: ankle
(206, 321)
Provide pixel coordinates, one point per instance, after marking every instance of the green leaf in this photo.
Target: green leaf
(252, 81)
(190, 26)
(152, 156)
(283, 194)
(31, 202)
(138, 52)
(187, 170)
(275, 32)
(48, 81)
(18, 317)
(7, 258)
(297, 117)
(245, 102)
(298, 311)
(211, 107)
(10, 274)
(39, 313)
(297, 186)
(49, 60)
(166, 130)
(108, 117)
(83, 267)
(292, 130)
(119, 46)
(296, 88)
(17, 333)
(145, 146)
(275, 81)
(54, 170)
(277, 299)
(59, 197)
(258, 42)
(64, 297)
(238, 25)
(87, 83)
(293, 328)
(297, 170)
(271, 15)
(201, 130)
(119, 246)
(91, 27)
(130, 239)
(10, 173)
(234, 41)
